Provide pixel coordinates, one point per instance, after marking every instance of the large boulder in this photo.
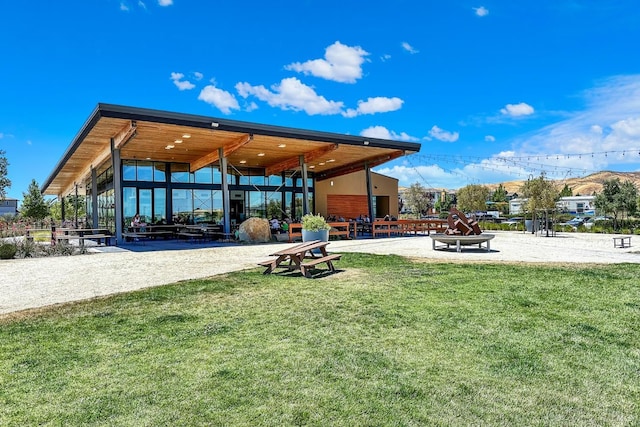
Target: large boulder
(255, 230)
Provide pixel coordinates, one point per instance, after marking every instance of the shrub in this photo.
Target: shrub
(8, 251)
(314, 223)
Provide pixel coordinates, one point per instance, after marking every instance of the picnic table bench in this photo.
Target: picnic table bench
(81, 234)
(622, 242)
(301, 257)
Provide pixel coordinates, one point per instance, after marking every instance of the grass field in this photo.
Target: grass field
(384, 342)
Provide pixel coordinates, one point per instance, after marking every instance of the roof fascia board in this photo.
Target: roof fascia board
(75, 143)
(180, 119)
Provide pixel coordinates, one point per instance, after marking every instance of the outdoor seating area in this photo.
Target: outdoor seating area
(379, 228)
(303, 257)
(80, 235)
(191, 233)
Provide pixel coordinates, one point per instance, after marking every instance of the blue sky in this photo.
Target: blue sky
(493, 90)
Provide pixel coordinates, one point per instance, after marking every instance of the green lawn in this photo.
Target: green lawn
(384, 342)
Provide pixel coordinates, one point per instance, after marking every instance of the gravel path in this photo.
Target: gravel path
(38, 282)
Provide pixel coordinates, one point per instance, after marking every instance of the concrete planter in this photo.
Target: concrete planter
(308, 235)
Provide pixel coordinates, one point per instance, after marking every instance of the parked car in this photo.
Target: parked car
(513, 222)
(590, 223)
(576, 222)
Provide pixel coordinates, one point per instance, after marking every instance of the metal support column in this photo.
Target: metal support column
(94, 198)
(305, 187)
(117, 191)
(75, 206)
(226, 204)
(372, 214)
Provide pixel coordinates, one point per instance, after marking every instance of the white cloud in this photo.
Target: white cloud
(181, 84)
(141, 4)
(124, 7)
(198, 76)
(517, 110)
(406, 46)
(481, 11)
(375, 105)
(291, 94)
(165, 2)
(490, 138)
(443, 135)
(614, 104)
(341, 63)
(219, 98)
(382, 132)
(385, 57)
(251, 107)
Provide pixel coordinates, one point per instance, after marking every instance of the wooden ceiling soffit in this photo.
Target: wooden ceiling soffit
(359, 165)
(214, 156)
(294, 162)
(124, 135)
(103, 156)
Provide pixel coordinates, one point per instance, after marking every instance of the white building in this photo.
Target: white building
(575, 205)
(8, 207)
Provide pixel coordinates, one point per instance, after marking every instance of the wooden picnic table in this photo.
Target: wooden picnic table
(82, 234)
(301, 257)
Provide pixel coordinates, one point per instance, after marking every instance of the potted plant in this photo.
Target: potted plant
(314, 227)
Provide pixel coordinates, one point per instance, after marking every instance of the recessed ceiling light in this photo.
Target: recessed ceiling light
(148, 158)
(186, 135)
(169, 147)
(282, 145)
(321, 163)
(260, 154)
(331, 160)
(243, 161)
(178, 141)
(312, 167)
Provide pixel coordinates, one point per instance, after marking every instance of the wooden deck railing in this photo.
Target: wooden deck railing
(402, 227)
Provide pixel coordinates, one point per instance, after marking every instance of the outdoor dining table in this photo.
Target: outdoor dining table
(303, 257)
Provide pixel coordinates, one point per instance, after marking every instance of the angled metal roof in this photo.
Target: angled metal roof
(155, 135)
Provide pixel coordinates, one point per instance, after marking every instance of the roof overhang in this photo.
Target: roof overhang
(154, 135)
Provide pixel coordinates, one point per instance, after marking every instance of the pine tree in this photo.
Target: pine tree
(5, 183)
(33, 204)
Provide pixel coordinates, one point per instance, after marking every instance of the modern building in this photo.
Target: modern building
(575, 205)
(173, 168)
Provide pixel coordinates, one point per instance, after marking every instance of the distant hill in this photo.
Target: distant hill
(584, 186)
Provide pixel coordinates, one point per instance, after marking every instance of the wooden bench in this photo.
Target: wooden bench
(386, 227)
(191, 236)
(622, 242)
(339, 229)
(309, 263)
(106, 238)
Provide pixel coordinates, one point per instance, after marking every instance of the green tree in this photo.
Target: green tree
(542, 196)
(473, 198)
(71, 203)
(617, 199)
(566, 191)
(500, 195)
(5, 183)
(445, 203)
(34, 206)
(417, 199)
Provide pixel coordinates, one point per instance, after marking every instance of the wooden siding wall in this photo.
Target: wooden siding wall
(348, 206)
